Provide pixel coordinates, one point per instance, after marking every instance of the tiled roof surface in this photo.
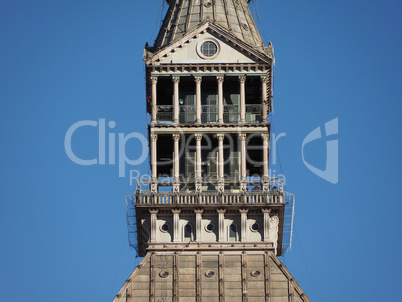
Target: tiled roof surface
(211, 276)
(185, 15)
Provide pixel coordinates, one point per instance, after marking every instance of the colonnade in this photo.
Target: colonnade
(198, 168)
(198, 82)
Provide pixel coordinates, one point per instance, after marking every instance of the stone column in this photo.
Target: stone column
(153, 213)
(176, 230)
(220, 98)
(154, 107)
(264, 97)
(243, 213)
(266, 224)
(265, 150)
(154, 173)
(243, 175)
(221, 222)
(198, 81)
(198, 217)
(176, 109)
(221, 181)
(176, 160)
(198, 179)
(242, 80)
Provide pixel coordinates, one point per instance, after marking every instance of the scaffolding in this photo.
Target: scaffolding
(288, 221)
(132, 223)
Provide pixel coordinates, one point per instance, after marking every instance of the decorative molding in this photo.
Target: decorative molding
(243, 211)
(154, 137)
(273, 231)
(198, 80)
(242, 79)
(221, 211)
(265, 136)
(264, 79)
(198, 137)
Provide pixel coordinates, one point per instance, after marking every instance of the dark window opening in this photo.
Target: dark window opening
(232, 232)
(188, 233)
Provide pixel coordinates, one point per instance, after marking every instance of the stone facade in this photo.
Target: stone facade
(211, 276)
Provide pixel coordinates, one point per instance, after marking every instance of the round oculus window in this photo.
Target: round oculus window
(210, 228)
(208, 49)
(164, 228)
(255, 227)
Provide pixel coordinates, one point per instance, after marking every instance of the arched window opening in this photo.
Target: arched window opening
(188, 233)
(232, 232)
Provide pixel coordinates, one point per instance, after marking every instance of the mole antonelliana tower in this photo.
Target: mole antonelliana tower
(210, 221)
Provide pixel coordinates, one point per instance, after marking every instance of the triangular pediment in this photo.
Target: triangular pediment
(186, 49)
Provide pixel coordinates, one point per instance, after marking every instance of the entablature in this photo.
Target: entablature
(212, 129)
(209, 69)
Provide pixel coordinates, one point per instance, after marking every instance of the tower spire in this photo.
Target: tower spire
(185, 15)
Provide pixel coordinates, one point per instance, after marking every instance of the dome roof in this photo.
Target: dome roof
(185, 15)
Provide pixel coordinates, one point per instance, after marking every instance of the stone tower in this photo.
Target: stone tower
(210, 221)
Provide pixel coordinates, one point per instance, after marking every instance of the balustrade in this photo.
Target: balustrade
(166, 198)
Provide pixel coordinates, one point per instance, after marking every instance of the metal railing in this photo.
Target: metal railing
(164, 113)
(253, 113)
(231, 113)
(187, 114)
(209, 114)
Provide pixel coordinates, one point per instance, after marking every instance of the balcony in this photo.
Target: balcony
(207, 198)
(231, 114)
(209, 114)
(164, 114)
(253, 113)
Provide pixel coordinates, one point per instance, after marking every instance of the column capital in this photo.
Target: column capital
(220, 79)
(198, 137)
(176, 211)
(242, 79)
(266, 211)
(221, 211)
(199, 211)
(265, 136)
(220, 136)
(243, 211)
(176, 80)
(176, 137)
(154, 137)
(154, 80)
(153, 211)
(264, 79)
(198, 80)
(243, 136)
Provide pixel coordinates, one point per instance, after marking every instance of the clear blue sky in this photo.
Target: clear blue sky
(63, 234)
